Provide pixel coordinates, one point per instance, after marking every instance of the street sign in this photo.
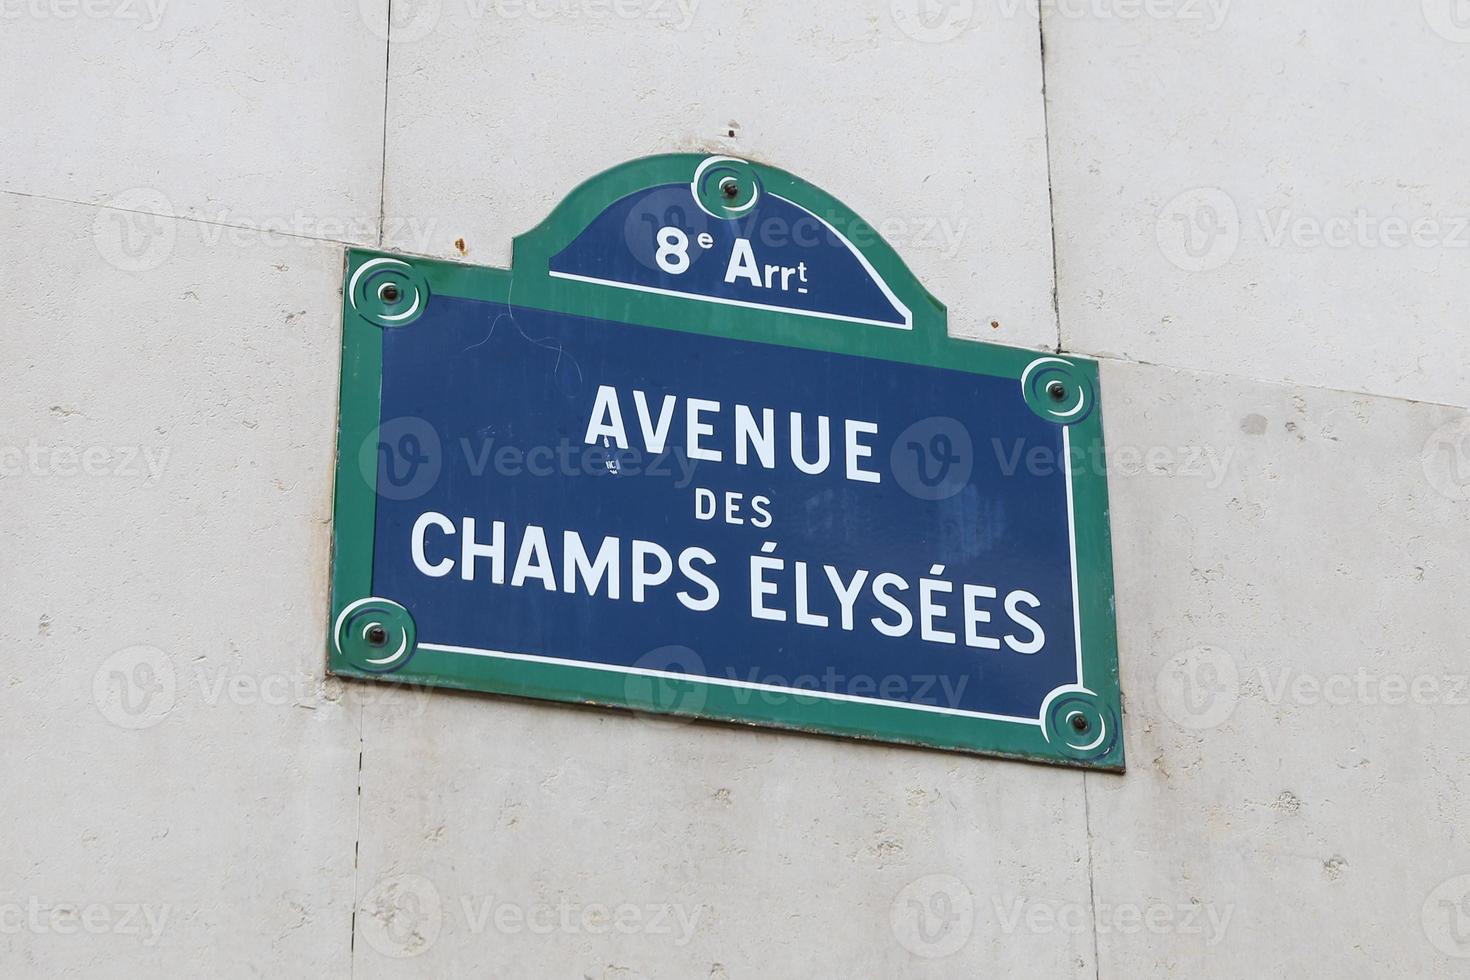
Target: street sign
(708, 450)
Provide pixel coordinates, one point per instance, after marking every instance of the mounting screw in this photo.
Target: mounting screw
(730, 187)
(388, 292)
(1079, 722)
(376, 635)
(1057, 391)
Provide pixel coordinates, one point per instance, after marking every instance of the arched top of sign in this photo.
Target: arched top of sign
(739, 241)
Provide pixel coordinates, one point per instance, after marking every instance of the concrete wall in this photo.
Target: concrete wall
(1254, 212)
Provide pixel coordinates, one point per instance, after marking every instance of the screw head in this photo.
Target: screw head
(376, 635)
(388, 292)
(1056, 390)
(730, 187)
(1079, 722)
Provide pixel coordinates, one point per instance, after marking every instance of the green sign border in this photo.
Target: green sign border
(1078, 726)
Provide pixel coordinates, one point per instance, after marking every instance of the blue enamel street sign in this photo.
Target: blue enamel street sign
(707, 449)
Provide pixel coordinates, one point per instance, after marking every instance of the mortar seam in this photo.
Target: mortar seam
(383, 159)
(1091, 876)
(1051, 203)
